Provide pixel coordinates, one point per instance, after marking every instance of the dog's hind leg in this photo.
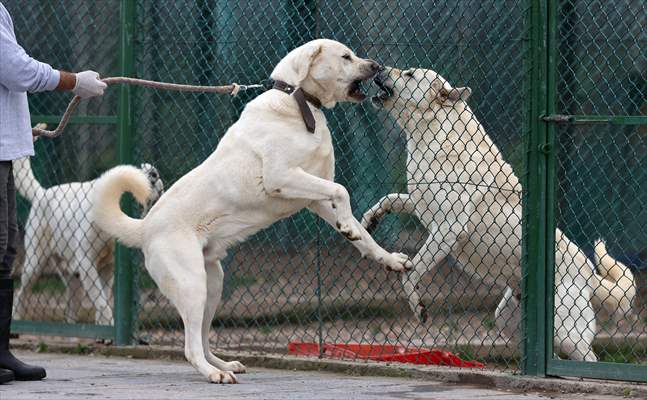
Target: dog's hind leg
(574, 322)
(391, 203)
(95, 290)
(75, 295)
(215, 277)
(507, 317)
(176, 263)
(35, 261)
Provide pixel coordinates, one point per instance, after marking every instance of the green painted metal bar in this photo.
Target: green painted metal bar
(534, 202)
(80, 119)
(596, 119)
(599, 370)
(62, 329)
(124, 287)
(552, 54)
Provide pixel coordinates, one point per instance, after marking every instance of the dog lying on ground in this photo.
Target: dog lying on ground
(59, 231)
(274, 161)
(469, 199)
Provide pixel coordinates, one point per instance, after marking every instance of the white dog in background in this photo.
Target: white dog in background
(60, 231)
(469, 199)
(267, 167)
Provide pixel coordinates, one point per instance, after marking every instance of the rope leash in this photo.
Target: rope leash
(232, 89)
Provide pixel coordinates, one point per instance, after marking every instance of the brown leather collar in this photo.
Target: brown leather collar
(301, 97)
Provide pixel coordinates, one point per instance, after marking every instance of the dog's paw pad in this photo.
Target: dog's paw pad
(223, 377)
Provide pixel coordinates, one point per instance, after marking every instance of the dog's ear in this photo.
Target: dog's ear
(294, 67)
(450, 97)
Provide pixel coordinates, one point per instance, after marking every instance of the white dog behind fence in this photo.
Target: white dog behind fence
(469, 199)
(59, 232)
(274, 161)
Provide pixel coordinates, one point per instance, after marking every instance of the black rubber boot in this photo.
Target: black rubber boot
(21, 371)
(6, 376)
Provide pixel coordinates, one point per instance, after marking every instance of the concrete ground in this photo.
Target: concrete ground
(73, 377)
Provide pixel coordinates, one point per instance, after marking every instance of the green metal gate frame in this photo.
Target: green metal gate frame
(539, 204)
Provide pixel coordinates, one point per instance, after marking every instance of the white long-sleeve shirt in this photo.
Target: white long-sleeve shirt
(19, 74)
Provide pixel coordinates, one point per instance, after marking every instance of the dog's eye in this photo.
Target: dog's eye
(346, 57)
(443, 93)
(153, 174)
(408, 73)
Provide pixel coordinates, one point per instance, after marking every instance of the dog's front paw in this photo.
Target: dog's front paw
(235, 366)
(397, 262)
(348, 230)
(223, 377)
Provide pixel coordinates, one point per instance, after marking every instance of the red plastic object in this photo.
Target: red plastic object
(383, 352)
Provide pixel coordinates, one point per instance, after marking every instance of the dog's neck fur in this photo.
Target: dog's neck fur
(441, 129)
(448, 133)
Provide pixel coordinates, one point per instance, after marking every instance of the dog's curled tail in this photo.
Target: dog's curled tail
(106, 212)
(26, 183)
(617, 287)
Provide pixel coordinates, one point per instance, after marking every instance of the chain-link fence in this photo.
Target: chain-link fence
(601, 159)
(299, 281)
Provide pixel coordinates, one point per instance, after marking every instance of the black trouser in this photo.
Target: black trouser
(8, 223)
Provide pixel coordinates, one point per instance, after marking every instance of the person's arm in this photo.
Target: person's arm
(18, 71)
(21, 73)
(67, 81)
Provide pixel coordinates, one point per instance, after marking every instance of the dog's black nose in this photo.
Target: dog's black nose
(375, 67)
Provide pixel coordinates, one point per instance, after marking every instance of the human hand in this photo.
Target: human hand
(88, 84)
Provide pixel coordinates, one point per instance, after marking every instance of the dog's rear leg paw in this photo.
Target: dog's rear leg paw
(235, 366)
(222, 377)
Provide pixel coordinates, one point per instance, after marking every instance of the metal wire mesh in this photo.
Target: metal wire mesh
(298, 281)
(601, 168)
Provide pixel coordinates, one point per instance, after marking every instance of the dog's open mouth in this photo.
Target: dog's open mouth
(356, 91)
(385, 91)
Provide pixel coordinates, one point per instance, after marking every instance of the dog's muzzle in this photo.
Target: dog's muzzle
(355, 89)
(385, 91)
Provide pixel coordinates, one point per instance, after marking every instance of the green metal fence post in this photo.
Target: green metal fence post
(549, 153)
(124, 310)
(534, 313)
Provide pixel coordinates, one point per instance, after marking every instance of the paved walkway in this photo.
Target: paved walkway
(96, 377)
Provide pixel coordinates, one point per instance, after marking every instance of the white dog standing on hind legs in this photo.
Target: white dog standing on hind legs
(469, 199)
(274, 161)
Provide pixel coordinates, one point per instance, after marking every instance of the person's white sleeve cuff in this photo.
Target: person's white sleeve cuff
(53, 80)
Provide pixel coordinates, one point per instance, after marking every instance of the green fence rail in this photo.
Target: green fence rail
(559, 87)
